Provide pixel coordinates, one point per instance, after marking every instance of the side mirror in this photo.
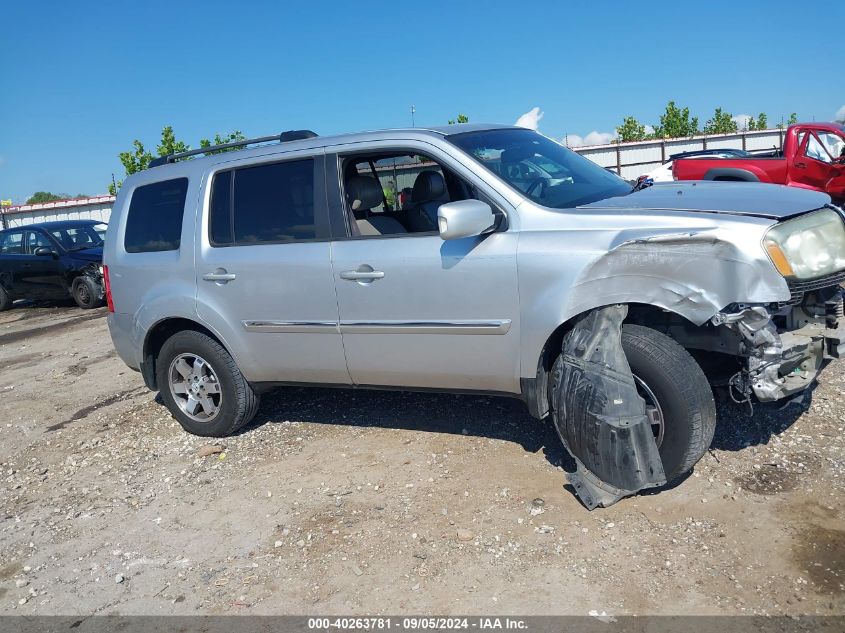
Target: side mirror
(464, 218)
(43, 251)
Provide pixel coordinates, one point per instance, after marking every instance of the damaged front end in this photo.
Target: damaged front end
(94, 271)
(784, 346)
(599, 415)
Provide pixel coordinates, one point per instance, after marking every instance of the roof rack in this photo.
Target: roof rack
(284, 137)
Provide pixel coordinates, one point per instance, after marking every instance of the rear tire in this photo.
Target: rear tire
(5, 299)
(232, 402)
(681, 389)
(86, 293)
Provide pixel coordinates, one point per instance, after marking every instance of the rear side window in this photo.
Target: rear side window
(154, 222)
(11, 243)
(266, 204)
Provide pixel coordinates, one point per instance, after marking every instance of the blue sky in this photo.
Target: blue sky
(81, 80)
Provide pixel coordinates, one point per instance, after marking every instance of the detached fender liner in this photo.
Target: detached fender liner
(600, 416)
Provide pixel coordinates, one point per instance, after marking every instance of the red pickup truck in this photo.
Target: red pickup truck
(812, 157)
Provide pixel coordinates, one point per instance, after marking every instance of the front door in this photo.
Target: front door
(264, 274)
(813, 165)
(415, 310)
(44, 278)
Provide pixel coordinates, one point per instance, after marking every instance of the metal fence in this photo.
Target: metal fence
(95, 208)
(631, 160)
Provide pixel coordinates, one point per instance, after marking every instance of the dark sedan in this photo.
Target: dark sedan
(52, 260)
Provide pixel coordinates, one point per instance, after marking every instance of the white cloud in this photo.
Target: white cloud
(530, 119)
(840, 114)
(742, 120)
(649, 129)
(593, 138)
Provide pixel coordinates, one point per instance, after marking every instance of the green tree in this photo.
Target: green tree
(721, 123)
(169, 144)
(760, 123)
(676, 122)
(40, 197)
(631, 130)
(231, 137)
(139, 157)
(793, 119)
(462, 118)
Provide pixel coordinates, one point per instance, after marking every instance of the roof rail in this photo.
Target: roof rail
(284, 137)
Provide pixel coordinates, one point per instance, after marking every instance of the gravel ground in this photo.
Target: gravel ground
(362, 502)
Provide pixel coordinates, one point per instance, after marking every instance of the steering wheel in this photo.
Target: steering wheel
(537, 182)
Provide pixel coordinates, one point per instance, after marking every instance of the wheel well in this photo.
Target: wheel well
(156, 338)
(703, 342)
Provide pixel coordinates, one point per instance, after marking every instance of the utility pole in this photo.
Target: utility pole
(413, 111)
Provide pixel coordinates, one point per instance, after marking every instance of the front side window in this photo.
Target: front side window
(36, 240)
(397, 193)
(544, 171)
(833, 143)
(11, 243)
(154, 221)
(263, 204)
(816, 150)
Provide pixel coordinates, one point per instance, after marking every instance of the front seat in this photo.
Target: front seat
(364, 193)
(428, 194)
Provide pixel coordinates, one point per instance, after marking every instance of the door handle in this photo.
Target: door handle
(220, 276)
(801, 165)
(359, 275)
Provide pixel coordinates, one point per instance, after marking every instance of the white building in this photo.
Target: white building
(93, 208)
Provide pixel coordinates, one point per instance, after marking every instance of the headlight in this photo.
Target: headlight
(807, 247)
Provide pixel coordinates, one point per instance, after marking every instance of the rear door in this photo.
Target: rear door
(264, 275)
(12, 262)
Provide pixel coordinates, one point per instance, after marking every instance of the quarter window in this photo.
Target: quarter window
(154, 221)
(220, 230)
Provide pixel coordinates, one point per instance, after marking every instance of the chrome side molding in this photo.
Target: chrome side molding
(494, 326)
(292, 327)
(471, 326)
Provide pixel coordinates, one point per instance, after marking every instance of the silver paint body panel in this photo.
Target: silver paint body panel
(466, 314)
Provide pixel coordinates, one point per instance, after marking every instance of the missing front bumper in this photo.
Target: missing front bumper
(781, 363)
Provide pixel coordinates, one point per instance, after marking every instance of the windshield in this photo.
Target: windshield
(544, 171)
(75, 238)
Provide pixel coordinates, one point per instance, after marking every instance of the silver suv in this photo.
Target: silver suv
(473, 258)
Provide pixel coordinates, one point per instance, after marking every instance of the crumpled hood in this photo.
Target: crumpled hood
(88, 254)
(735, 198)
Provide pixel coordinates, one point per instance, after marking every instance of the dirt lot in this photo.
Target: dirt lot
(357, 502)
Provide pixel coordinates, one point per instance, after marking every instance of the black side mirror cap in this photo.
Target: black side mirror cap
(43, 251)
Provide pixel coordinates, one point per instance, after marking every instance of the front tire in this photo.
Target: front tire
(682, 392)
(202, 386)
(85, 292)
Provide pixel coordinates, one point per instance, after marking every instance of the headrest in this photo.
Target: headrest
(429, 185)
(363, 192)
